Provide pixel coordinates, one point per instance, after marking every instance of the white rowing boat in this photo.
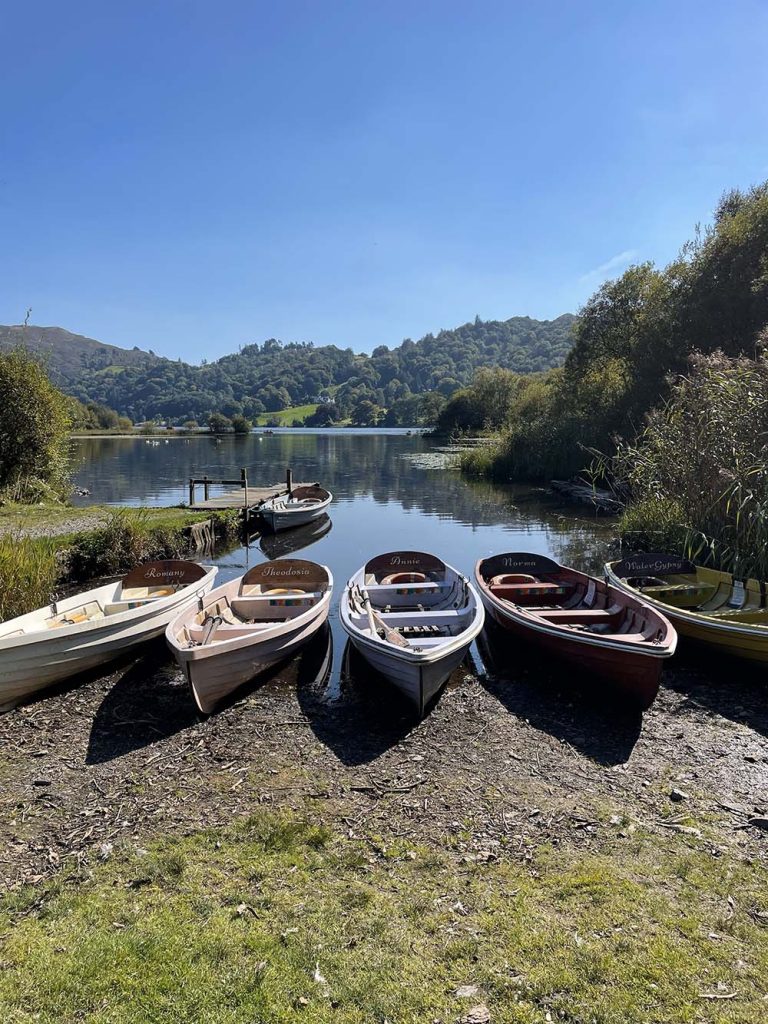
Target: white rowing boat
(412, 617)
(298, 507)
(249, 625)
(92, 628)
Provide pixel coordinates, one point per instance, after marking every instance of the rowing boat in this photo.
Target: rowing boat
(297, 507)
(607, 632)
(248, 625)
(412, 617)
(90, 629)
(714, 608)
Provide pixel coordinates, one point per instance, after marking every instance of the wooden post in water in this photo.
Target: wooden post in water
(206, 487)
(191, 492)
(289, 480)
(246, 503)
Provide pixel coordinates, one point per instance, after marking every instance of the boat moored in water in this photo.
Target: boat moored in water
(710, 607)
(296, 507)
(93, 628)
(413, 618)
(248, 625)
(608, 633)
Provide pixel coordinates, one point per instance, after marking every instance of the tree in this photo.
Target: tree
(218, 423)
(462, 412)
(34, 428)
(241, 425)
(366, 414)
(325, 415)
(430, 407)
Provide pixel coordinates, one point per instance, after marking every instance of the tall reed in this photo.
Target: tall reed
(29, 570)
(698, 474)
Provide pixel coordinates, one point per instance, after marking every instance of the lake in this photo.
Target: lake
(389, 493)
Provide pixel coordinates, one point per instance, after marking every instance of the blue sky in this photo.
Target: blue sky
(191, 176)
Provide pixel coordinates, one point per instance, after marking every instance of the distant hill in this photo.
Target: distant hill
(273, 376)
(69, 355)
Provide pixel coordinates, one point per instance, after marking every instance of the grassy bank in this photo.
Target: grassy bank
(45, 547)
(279, 916)
(286, 417)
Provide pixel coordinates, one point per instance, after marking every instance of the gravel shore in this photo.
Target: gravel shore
(75, 519)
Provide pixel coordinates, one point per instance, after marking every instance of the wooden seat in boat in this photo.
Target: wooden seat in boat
(418, 630)
(512, 591)
(427, 587)
(87, 613)
(576, 616)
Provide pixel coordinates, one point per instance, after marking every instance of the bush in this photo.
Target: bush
(325, 415)
(125, 540)
(34, 430)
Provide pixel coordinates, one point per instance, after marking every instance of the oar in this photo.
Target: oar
(211, 625)
(376, 623)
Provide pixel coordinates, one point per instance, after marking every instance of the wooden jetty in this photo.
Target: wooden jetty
(245, 497)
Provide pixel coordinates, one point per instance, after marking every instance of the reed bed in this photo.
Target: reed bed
(698, 474)
(29, 571)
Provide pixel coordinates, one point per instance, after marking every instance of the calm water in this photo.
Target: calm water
(387, 495)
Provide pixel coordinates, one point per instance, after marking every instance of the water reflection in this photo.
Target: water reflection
(365, 469)
(281, 545)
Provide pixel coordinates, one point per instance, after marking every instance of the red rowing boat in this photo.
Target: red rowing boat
(608, 633)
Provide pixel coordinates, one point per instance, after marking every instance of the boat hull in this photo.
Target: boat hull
(284, 520)
(419, 681)
(307, 504)
(216, 668)
(633, 674)
(214, 675)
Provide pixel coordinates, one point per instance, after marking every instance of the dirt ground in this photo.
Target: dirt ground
(507, 759)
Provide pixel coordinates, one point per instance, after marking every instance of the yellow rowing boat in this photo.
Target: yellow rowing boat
(710, 607)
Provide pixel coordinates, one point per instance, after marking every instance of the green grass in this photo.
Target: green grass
(286, 416)
(230, 927)
(15, 516)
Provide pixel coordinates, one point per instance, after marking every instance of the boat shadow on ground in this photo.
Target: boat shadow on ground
(360, 716)
(124, 722)
(557, 699)
(720, 685)
(147, 703)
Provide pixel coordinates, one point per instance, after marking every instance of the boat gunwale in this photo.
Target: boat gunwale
(686, 614)
(272, 631)
(521, 617)
(146, 609)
